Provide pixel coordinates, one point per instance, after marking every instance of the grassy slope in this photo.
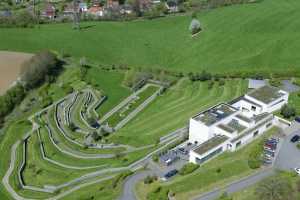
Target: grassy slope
(173, 109)
(110, 83)
(241, 37)
(232, 165)
(249, 193)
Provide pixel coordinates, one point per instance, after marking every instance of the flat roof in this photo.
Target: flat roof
(226, 128)
(210, 144)
(243, 118)
(261, 123)
(266, 94)
(215, 114)
(234, 124)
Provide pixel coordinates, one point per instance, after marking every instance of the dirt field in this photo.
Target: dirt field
(10, 64)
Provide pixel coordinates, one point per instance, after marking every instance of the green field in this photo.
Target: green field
(261, 36)
(227, 167)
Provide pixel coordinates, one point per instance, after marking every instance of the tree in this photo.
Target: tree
(275, 188)
(288, 111)
(195, 25)
(36, 70)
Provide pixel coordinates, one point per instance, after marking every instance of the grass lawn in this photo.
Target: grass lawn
(227, 167)
(110, 84)
(39, 172)
(294, 100)
(131, 106)
(261, 36)
(173, 109)
(249, 193)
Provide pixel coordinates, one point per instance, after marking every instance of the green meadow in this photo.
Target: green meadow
(260, 37)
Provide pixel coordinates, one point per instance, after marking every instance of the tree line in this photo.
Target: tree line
(42, 67)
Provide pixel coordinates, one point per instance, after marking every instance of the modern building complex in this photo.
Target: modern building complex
(229, 126)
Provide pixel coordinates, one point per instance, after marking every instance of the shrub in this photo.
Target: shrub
(298, 145)
(288, 111)
(275, 82)
(149, 179)
(188, 168)
(159, 193)
(195, 26)
(10, 99)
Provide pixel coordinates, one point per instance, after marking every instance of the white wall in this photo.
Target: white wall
(249, 137)
(198, 132)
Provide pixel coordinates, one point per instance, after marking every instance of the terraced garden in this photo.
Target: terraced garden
(58, 157)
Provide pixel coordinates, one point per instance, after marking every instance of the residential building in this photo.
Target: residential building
(228, 126)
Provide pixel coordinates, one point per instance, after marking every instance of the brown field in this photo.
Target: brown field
(10, 65)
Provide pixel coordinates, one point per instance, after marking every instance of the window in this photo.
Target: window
(212, 154)
(255, 133)
(253, 108)
(238, 144)
(268, 125)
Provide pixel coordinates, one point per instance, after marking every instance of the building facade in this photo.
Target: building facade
(228, 126)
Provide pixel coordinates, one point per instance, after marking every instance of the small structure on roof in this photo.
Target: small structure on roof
(255, 83)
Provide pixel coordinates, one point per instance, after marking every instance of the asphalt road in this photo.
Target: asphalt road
(289, 155)
(130, 182)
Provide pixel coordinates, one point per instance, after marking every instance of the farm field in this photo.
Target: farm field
(261, 36)
(10, 67)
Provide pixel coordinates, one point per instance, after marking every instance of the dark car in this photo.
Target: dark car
(295, 138)
(170, 174)
(297, 119)
(183, 151)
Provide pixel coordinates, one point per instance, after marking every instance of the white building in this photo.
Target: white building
(229, 126)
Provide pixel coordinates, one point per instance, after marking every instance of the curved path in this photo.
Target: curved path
(130, 182)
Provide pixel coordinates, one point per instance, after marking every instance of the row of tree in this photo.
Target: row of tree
(44, 66)
(10, 99)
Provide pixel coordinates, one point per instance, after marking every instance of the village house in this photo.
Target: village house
(229, 126)
(49, 11)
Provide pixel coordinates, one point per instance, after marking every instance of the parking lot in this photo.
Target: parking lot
(289, 155)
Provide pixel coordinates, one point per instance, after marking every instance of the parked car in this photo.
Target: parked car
(297, 170)
(297, 119)
(169, 174)
(183, 151)
(295, 138)
(271, 145)
(269, 149)
(267, 162)
(269, 153)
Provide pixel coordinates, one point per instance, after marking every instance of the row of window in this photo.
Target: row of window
(212, 154)
(254, 135)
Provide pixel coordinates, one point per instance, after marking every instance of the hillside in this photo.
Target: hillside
(262, 36)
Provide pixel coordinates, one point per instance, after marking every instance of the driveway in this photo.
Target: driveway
(289, 155)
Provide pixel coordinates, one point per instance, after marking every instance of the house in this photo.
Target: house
(96, 10)
(83, 8)
(255, 84)
(228, 126)
(126, 9)
(112, 4)
(172, 6)
(49, 11)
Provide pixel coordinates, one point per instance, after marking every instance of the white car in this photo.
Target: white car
(297, 170)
